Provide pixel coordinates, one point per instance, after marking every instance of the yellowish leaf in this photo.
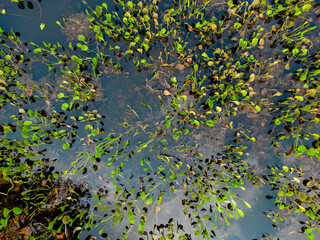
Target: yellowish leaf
(166, 93)
(296, 180)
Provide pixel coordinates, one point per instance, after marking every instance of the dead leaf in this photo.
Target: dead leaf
(180, 66)
(59, 236)
(26, 231)
(166, 93)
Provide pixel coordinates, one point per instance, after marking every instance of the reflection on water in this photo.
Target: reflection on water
(194, 166)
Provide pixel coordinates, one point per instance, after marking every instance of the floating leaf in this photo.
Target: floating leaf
(131, 220)
(30, 155)
(210, 123)
(25, 134)
(240, 213)
(26, 123)
(257, 108)
(60, 95)
(149, 201)
(17, 210)
(235, 183)
(6, 212)
(289, 193)
(6, 129)
(243, 92)
(255, 41)
(81, 38)
(302, 148)
(296, 180)
(311, 152)
(94, 61)
(66, 219)
(51, 224)
(84, 48)
(300, 98)
(65, 106)
(306, 7)
(166, 93)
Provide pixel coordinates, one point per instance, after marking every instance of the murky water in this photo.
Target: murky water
(119, 100)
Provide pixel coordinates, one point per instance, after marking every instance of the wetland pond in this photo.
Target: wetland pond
(160, 119)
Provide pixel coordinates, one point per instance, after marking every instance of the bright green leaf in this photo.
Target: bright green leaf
(65, 106)
(17, 210)
(149, 201)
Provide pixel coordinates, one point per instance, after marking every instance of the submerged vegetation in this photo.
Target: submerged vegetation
(201, 86)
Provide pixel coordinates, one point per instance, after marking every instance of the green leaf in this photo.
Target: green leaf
(3, 222)
(302, 148)
(308, 230)
(255, 41)
(163, 30)
(257, 108)
(66, 219)
(84, 48)
(42, 25)
(26, 123)
(37, 50)
(247, 204)
(277, 122)
(6, 212)
(167, 125)
(311, 236)
(98, 11)
(6, 129)
(25, 134)
(311, 152)
(81, 38)
(141, 226)
(289, 120)
(235, 183)
(30, 155)
(290, 194)
(94, 61)
(31, 114)
(149, 201)
(57, 22)
(50, 226)
(285, 168)
(17, 210)
(240, 213)
(60, 95)
(65, 106)
(210, 123)
(131, 220)
(243, 92)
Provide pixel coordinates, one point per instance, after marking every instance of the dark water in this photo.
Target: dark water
(119, 91)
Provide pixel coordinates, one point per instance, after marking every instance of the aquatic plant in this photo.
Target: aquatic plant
(232, 57)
